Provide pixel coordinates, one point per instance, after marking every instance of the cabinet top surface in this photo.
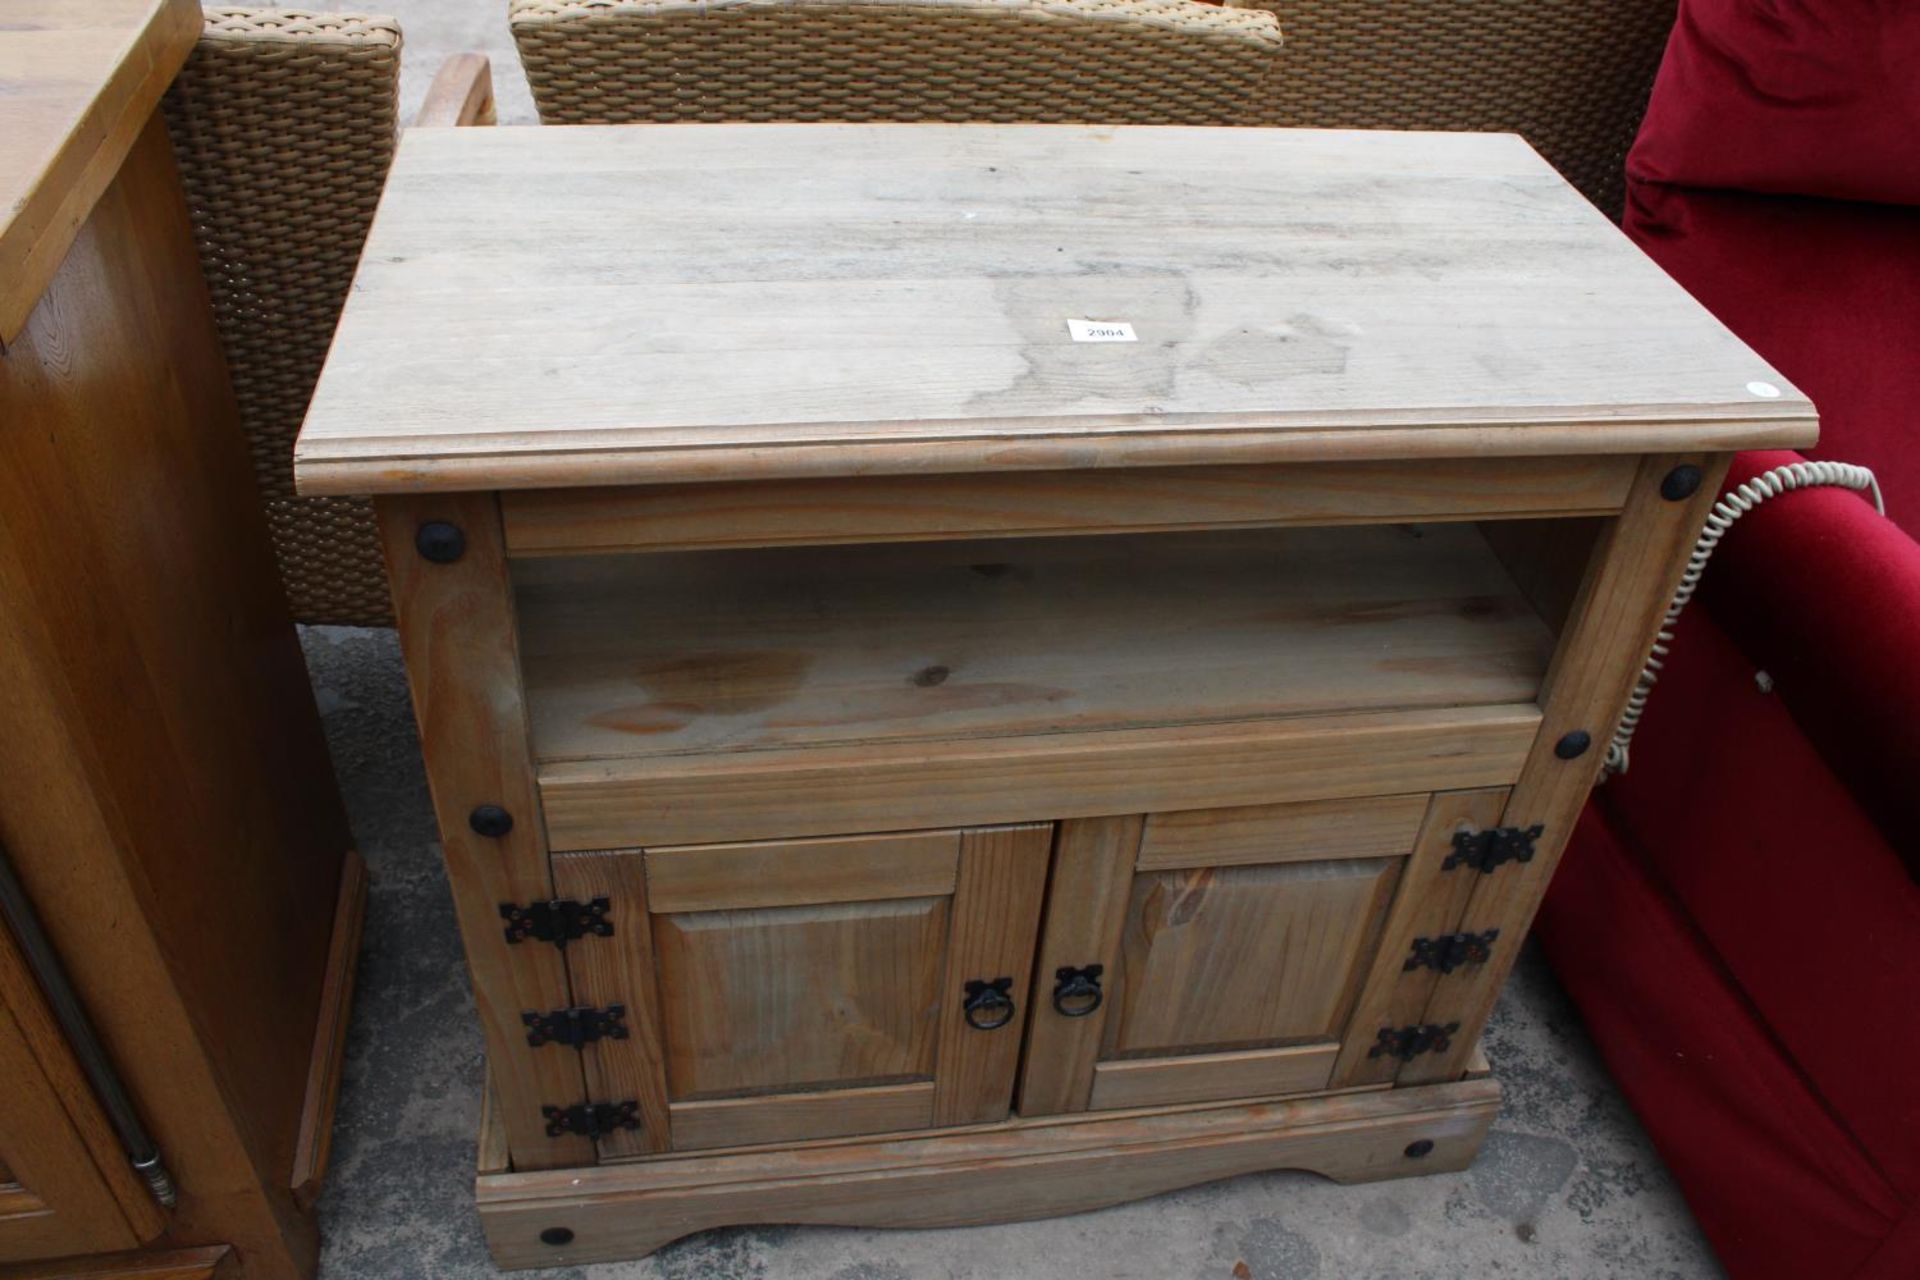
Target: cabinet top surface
(549, 307)
(78, 80)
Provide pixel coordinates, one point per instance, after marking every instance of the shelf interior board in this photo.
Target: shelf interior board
(715, 651)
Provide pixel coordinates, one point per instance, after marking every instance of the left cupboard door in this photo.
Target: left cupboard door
(54, 1198)
(781, 991)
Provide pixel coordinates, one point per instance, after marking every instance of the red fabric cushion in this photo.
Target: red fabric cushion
(1825, 596)
(1821, 592)
(1827, 292)
(1808, 97)
(1781, 1191)
(1798, 894)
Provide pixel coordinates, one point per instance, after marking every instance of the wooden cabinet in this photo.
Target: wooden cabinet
(169, 825)
(930, 770)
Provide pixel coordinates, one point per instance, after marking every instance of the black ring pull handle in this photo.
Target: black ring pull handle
(988, 1005)
(1076, 992)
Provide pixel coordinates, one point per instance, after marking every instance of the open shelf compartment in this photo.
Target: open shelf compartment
(634, 656)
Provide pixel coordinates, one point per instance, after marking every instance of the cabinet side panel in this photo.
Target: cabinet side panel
(458, 636)
(164, 715)
(1636, 565)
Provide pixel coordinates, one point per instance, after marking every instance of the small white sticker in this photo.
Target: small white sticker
(1101, 331)
(1765, 390)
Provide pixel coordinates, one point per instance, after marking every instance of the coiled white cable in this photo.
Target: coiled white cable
(1733, 504)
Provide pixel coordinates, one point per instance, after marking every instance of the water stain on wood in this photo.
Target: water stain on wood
(718, 683)
(1301, 346)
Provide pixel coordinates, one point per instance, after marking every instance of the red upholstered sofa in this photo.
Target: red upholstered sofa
(1738, 916)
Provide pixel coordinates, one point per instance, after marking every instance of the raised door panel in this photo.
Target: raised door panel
(786, 990)
(1231, 947)
(1230, 957)
(784, 998)
(53, 1198)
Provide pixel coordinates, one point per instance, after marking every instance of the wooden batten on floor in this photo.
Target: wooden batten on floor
(330, 1034)
(996, 1173)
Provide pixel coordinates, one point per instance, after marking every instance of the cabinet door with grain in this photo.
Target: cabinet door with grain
(1214, 954)
(54, 1200)
(786, 990)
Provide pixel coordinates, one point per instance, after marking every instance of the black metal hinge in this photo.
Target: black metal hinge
(1449, 951)
(591, 1119)
(577, 1027)
(1408, 1043)
(1485, 850)
(559, 920)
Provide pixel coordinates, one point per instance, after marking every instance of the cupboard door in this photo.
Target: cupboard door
(1231, 945)
(53, 1199)
(787, 990)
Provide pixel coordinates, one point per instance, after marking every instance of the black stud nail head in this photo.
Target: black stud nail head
(564, 1235)
(1681, 482)
(1573, 745)
(440, 542)
(1415, 1150)
(491, 821)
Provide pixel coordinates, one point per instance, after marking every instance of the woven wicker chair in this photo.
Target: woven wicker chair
(283, 122)
(1572, 75)
(1091, 61)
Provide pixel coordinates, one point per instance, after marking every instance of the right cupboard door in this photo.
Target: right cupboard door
(1237, 953)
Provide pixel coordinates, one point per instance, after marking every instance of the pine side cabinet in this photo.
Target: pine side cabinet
(974, 672)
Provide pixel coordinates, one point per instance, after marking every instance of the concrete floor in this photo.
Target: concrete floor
(1566, 1187)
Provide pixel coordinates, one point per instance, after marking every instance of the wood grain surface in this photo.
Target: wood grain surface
(618, 971)
(1212, 1077)
(1092, 873)
(998, 1173)
(996, 922)
(640, 656)
(1428, 903)
(1635, 567)
(457, 635)
(886, 508)
(754, 795)
(1236, 957)
(754, 301)
(162, 751)
(778, 999)
(1371, 827)
(78, 81)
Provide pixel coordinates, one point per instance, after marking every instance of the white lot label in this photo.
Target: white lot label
(1101, 331)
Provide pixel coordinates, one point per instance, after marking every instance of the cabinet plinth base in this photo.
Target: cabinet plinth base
(996, 1173)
